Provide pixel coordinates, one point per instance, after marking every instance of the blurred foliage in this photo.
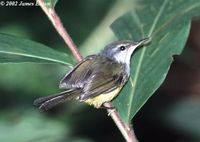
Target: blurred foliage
(74, 122)
(31, 126)
(185, 116)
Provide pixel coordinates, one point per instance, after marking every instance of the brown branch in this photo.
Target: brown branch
(126, 131)
(55, 20)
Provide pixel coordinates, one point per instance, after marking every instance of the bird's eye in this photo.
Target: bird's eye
(122, 48)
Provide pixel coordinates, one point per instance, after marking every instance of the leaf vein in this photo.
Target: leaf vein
(157, 17)
(138, 67)
(38, 57)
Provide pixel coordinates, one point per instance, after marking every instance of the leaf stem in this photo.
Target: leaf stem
(55, 20)
(126, 130)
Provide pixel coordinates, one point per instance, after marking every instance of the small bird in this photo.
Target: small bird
(97, 78)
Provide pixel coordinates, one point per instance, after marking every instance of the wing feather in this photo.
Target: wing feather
(77, 77)
(94, 75)
(107, 78)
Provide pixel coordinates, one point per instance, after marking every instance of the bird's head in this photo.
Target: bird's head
(121, 51)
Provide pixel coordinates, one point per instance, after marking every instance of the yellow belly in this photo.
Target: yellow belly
(101, 99)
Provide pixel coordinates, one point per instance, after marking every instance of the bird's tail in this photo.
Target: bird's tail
(45, 103)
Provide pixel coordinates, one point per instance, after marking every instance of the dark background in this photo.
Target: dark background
(172, 114)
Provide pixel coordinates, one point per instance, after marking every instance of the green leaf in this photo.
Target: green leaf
(17, 50)
(51, 3)
(167, 22)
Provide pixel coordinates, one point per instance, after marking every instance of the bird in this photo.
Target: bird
(96, 79)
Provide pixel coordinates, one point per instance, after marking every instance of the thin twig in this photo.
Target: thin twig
(55, 20)
(126, 131)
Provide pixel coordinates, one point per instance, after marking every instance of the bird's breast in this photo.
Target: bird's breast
(101, 99)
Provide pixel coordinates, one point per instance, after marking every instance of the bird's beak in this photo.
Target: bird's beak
(142, 42)
(136, 44)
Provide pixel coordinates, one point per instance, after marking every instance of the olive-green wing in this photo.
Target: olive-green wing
(94, 75)
(79, 75)
(108, 77)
